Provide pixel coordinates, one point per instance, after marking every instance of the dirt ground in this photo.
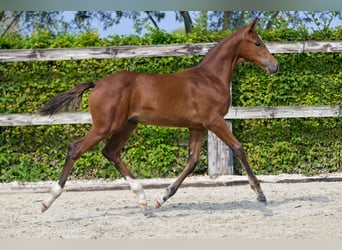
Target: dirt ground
(309, 210)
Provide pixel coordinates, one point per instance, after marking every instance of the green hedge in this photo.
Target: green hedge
(308, 146)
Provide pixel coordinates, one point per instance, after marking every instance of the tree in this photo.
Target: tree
(227, 17)
(225, 20)
(9, 21)
(83, 19)
(23, 21)
(26, 21)
(186, 18)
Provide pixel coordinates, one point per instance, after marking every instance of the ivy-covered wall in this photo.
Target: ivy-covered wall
(308, 146)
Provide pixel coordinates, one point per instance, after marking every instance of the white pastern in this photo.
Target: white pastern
(54, 194)
(138, 189)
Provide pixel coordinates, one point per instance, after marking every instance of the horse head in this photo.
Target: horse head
(253, 49)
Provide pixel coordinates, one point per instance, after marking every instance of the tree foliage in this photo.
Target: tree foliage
(24, 22)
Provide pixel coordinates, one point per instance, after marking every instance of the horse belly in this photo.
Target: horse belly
(168, 118)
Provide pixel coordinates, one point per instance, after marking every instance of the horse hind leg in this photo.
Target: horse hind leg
(76, 149)
(112, 152)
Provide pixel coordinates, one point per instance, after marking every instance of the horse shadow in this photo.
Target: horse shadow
(185, 208)
(265, 208)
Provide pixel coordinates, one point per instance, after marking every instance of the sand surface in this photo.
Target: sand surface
(310, 210)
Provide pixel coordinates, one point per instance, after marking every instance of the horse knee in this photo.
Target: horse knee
(239, 151)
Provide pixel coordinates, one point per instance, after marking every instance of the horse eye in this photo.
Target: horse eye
(257, 43)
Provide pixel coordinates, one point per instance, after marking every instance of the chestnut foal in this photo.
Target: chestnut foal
(197, 98)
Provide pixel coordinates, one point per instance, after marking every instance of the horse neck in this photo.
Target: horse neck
(222, 59)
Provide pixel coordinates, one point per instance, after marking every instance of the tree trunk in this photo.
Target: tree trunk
(152, 20)
(227, 18)
(187, 21)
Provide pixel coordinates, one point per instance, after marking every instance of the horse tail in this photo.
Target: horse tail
(63, 100)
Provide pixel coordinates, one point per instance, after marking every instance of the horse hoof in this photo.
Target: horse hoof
(43, 207)
(262, 198)
(143, 206)
(157, 203)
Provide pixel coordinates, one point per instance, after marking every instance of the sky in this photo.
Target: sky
(125, 27)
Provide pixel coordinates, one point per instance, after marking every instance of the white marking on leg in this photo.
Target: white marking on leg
(138, 189)
(54, 194)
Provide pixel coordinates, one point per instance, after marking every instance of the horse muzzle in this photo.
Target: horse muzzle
(272, 68)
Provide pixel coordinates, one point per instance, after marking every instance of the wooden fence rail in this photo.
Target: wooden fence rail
(219, 156)
(234, 113)
(15, 55)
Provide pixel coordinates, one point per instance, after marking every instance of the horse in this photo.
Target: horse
(196, 98)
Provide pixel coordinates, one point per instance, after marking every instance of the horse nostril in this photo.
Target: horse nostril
(275, 68)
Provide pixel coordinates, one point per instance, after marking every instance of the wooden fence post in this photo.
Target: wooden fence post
(220, 156)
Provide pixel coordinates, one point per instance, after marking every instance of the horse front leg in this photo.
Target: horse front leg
(219, 127)
(195, 144)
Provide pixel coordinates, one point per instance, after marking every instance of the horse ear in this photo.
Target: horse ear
(252, 25)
